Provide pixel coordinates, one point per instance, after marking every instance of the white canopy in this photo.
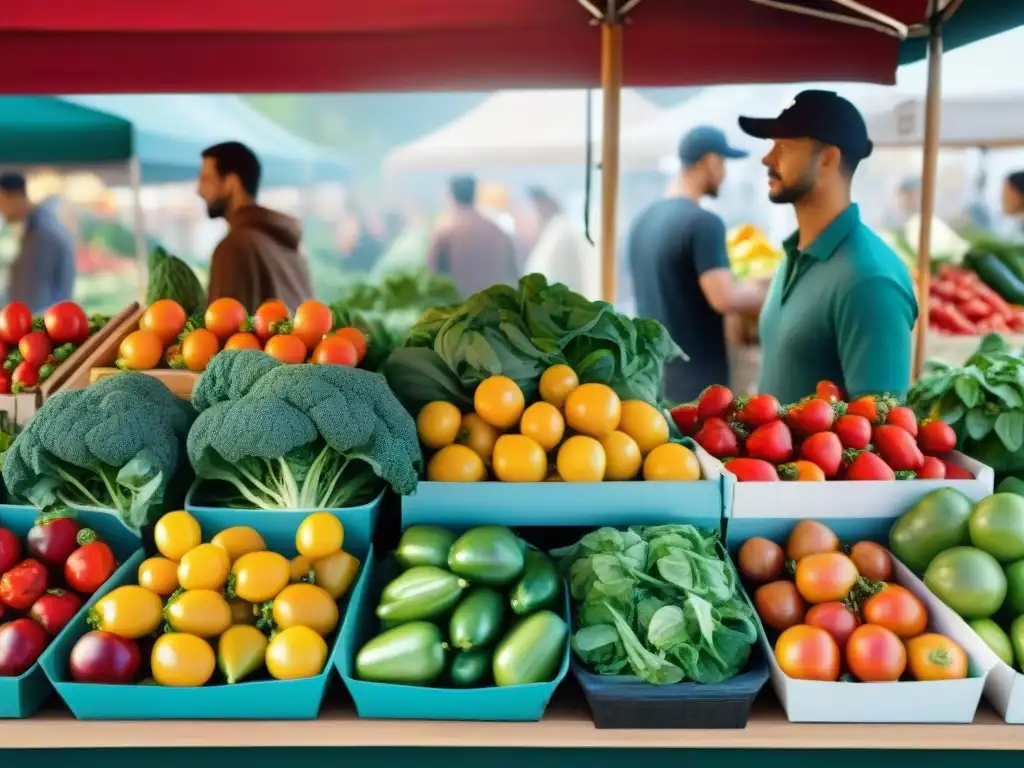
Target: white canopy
(517, 128)
(995, 120)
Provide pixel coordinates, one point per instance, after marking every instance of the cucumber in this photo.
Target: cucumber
(412, 654)
(420, 593)
(477, 620)
(532, 652)
(488, 555)
(470, 669)
(424, 545)
(539, 585)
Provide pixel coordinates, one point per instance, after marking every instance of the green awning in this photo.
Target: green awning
(36, 130)
(974, 20)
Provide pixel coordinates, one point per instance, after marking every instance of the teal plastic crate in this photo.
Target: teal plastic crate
(409, 702)
(263, 699)
(23, 696)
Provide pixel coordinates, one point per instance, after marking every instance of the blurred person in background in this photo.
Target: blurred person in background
(561, 253)
(681, 271)
(361, 246)
(1012, 200)
(470, 248)
(975, 216)
(259, 258)
(43, 272)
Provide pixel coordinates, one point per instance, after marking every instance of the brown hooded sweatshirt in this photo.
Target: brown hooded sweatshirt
(259, 259)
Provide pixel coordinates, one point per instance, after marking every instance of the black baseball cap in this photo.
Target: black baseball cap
(11, 181)
(706, 140)
(824, 116)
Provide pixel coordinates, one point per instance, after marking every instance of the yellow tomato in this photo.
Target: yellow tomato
(260, 576)
(544, 423)
(671, 461)
(239, 540)
(519, 459)
(320, 534)
(130, 611)
(159, 575)
(240, 652)
(242, 612)
(645, 424)
(302, 567)
(479, 436)
(296, 652)
(556, 383)
(176, 533)
(499, 401)
(593, 409)
(623, 458)
(181, 660)
(438, 424)
(199, 612)
(456, 464)
(204, 567)
(581, 459)
(335, 573)
(306, 605)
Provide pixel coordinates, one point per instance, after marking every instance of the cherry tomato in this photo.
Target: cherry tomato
(15, 322)
(760, 560)
(54, 609)
(286, 348)
(52, 540)
(335, 350)
(140, 351)
(24, 378)
(198, 348)
(35, 347)
(10, 550)
(313, 321)
(22, 641)
(66, 323)
(835, 618)
(872, 560)
(826, 577)
(243, 341)
(356, 337)
(225, 317)
(809, 537)
(23, 584)
(166, 318)
(875, 655)
(89, 566)
(779, 605)
(897, 609)
(936, 657)
(266, 317)
(808, 653)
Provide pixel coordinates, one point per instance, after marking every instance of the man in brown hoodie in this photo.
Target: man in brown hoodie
(259, 258)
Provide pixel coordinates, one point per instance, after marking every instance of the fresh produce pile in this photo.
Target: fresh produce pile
(46, 580)
(276, 436)
(972, 558)
(751, 254)
(836, 614)
(574, 433)
(659, 602)
(467, 611)
(403, 289)
(264, 611)
(819, 438)
(33, 348)
(962, 304)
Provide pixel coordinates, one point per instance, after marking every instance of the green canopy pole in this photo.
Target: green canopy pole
(139, 223)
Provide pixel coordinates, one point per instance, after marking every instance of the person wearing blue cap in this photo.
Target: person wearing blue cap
(680, 268)
(841, 305)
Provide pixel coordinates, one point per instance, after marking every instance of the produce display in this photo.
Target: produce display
(467, 611)
(577, 433)
(961, 303)
(751, 254)
(47, 577)
(220, 612)
(822, 437)
(660, 602)
(834, 613)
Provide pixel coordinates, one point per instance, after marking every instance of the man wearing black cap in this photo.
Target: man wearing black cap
(841, 306)
(43, 273)
(681, 272)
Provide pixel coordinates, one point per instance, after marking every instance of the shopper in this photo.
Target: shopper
(562, 253)
(43, 272)
(841, 306)
(1013, 199)
(259, 258)
(681, 272)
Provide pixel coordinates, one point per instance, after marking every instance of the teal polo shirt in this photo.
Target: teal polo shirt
(843, 309)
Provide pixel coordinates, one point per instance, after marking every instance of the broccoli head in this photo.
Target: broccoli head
(276, 436)
(114, 445)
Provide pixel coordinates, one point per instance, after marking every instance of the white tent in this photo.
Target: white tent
(517, 128)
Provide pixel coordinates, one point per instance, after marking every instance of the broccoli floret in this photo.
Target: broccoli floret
(114, 445)
(299, 436)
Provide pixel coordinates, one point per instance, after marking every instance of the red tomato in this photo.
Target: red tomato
(897, 447)
(5, 383)
(808, 653)
(267, 316)
(103, 657)
(21, 643)
(357, 339)
(760, 560)
(936, 437)
(717, 438)
(829, 392)
(875, 655)
(835, 618)
(313, 321)
(757, 410)
(55, 609)
(52, 541)
(15, 322)
(897, 609)
(903, 417)
(779, 605)
(24, 378)
(814, 415)
(66, 323)
(335, 350)
(752, 470)
(89, 566)
(824, 449)
(23, 584)
(714, 401)
(10, 550)
(868, 466)
(809, 537)
(826, 577)
(686, 418)
(872, 560)
(771, 442)
(35, 347)
(854, 431)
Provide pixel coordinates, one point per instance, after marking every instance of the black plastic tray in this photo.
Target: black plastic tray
(625, 701)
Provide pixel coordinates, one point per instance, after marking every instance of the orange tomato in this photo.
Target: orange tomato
(356, 338)
(198, 348)
(243, 341)
(519, 459)
(897, 609)
(267, 315)
(875, 655)
(936, 657)
(140, 351)
(809, 537)
(802, 471)
(165, 318)
(313, 321)
(286, 348)
(225, 317)
(335, 350)
(826, 577)
(808, 653)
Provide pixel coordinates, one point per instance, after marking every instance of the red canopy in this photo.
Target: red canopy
(67, 46)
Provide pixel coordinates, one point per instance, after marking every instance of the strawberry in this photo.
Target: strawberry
(931, 469)
(829, 392)
(865, 465)
(54, 609)
(854, 431)
(717, 438)
(685, 417)
(904, 417)
(874, 408)
(810, 416)
(936, 437)
(715, 401)
(757, 410)
(897, 448)
(771, 442)
(752, 470)
(824, 449)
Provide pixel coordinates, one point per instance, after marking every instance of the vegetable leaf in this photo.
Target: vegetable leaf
(1010, 429)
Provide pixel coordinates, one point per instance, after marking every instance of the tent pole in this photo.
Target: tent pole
(611, 88)
(138, 223)
(929, 173)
